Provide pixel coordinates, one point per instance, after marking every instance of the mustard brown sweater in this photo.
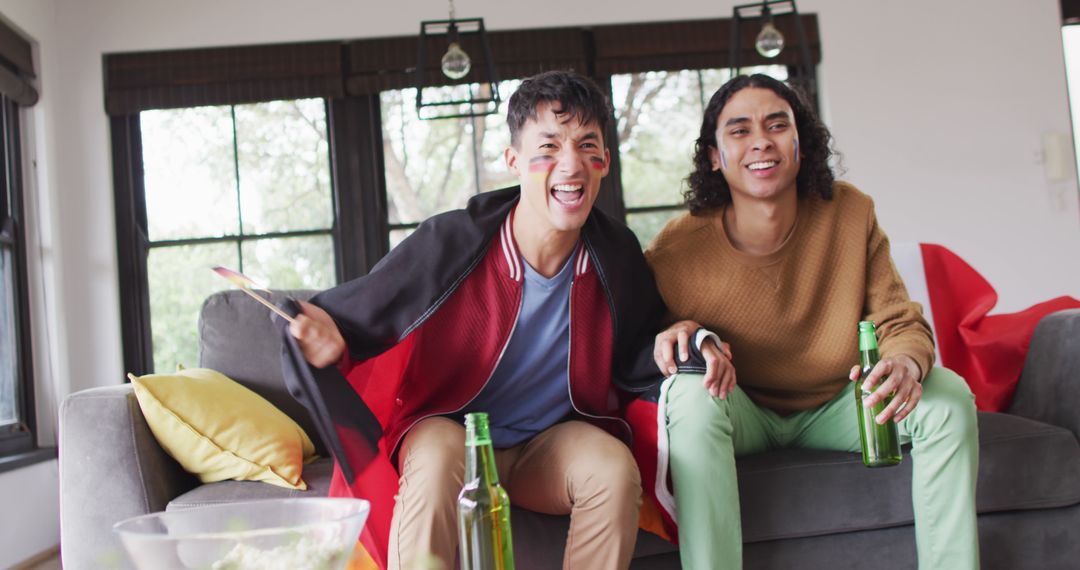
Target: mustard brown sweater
(791, 316)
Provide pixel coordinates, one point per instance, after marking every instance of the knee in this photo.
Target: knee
(692, 412)
(621, 473)
(948, 405)
(433, 453)
(609, 475)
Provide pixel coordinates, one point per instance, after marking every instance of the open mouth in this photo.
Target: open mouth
(568, 194)
(762, 166)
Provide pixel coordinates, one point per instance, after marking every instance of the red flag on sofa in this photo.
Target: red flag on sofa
(987, 350)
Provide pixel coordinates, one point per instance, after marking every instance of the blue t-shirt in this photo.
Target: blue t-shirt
(529, 391)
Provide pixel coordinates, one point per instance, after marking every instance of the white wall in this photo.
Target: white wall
(938, 106)
(30, 521)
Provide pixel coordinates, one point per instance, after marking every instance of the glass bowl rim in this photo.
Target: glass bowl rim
(121, 528)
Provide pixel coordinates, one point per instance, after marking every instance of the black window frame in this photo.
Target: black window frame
(17, 438)
(347, 121)
(361, 230)
(18, 441)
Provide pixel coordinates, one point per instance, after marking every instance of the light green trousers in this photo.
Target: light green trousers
(706, 435)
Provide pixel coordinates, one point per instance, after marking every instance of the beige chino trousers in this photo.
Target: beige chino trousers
(571, 468)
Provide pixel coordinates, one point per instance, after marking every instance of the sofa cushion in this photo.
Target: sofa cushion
(218, 429)
(238, 337)
(1024, 464)
(316, 474)
(537, 538)
(794, 493)
(790, 493)
(541, 540)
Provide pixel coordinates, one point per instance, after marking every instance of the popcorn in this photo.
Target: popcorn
(306, 553)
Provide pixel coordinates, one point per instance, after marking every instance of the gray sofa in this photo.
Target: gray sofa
(801, 508)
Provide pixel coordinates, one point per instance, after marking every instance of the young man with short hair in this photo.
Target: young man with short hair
(528, 305)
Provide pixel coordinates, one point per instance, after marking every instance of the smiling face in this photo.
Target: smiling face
(757, 145)
(559, 163)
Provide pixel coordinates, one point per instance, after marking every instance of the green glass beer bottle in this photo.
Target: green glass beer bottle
(880, 443)
(483, 507)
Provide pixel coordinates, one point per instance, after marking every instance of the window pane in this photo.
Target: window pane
(493, 142)
(429, 164)
(180, 280)
(189, 171)
(658, 115)
(647, 224)
(9, 348)
(291, 263)
(284, 162)
(437, 165)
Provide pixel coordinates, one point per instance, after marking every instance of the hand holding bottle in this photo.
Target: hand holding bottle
(902, 381)
(878, 438)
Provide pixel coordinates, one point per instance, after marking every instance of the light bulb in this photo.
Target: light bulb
(455, 62)
(770, 42)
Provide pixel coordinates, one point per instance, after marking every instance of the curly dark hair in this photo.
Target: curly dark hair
(577, 96)
(709, 190)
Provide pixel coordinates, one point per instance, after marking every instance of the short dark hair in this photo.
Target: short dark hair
(708, 189)
(576, 95)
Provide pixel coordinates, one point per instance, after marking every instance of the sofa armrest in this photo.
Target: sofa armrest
(1049, 387)
(111, 468)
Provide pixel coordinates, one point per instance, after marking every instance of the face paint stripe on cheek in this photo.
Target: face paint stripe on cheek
(797, 157)
(541, 164)
(723, 158)
(596, 162)
(540, 168)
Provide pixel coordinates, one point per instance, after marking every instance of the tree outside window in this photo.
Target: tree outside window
(16, 414)
(244, 186)
(437, 165)
(248, 186)
(9, 347)
(658, 115)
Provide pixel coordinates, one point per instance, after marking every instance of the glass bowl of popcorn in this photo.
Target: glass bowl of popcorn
(301, 534)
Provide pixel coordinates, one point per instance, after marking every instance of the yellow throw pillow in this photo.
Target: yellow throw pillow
(218, 429)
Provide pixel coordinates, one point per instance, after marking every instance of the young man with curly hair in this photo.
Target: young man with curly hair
(782, 262)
